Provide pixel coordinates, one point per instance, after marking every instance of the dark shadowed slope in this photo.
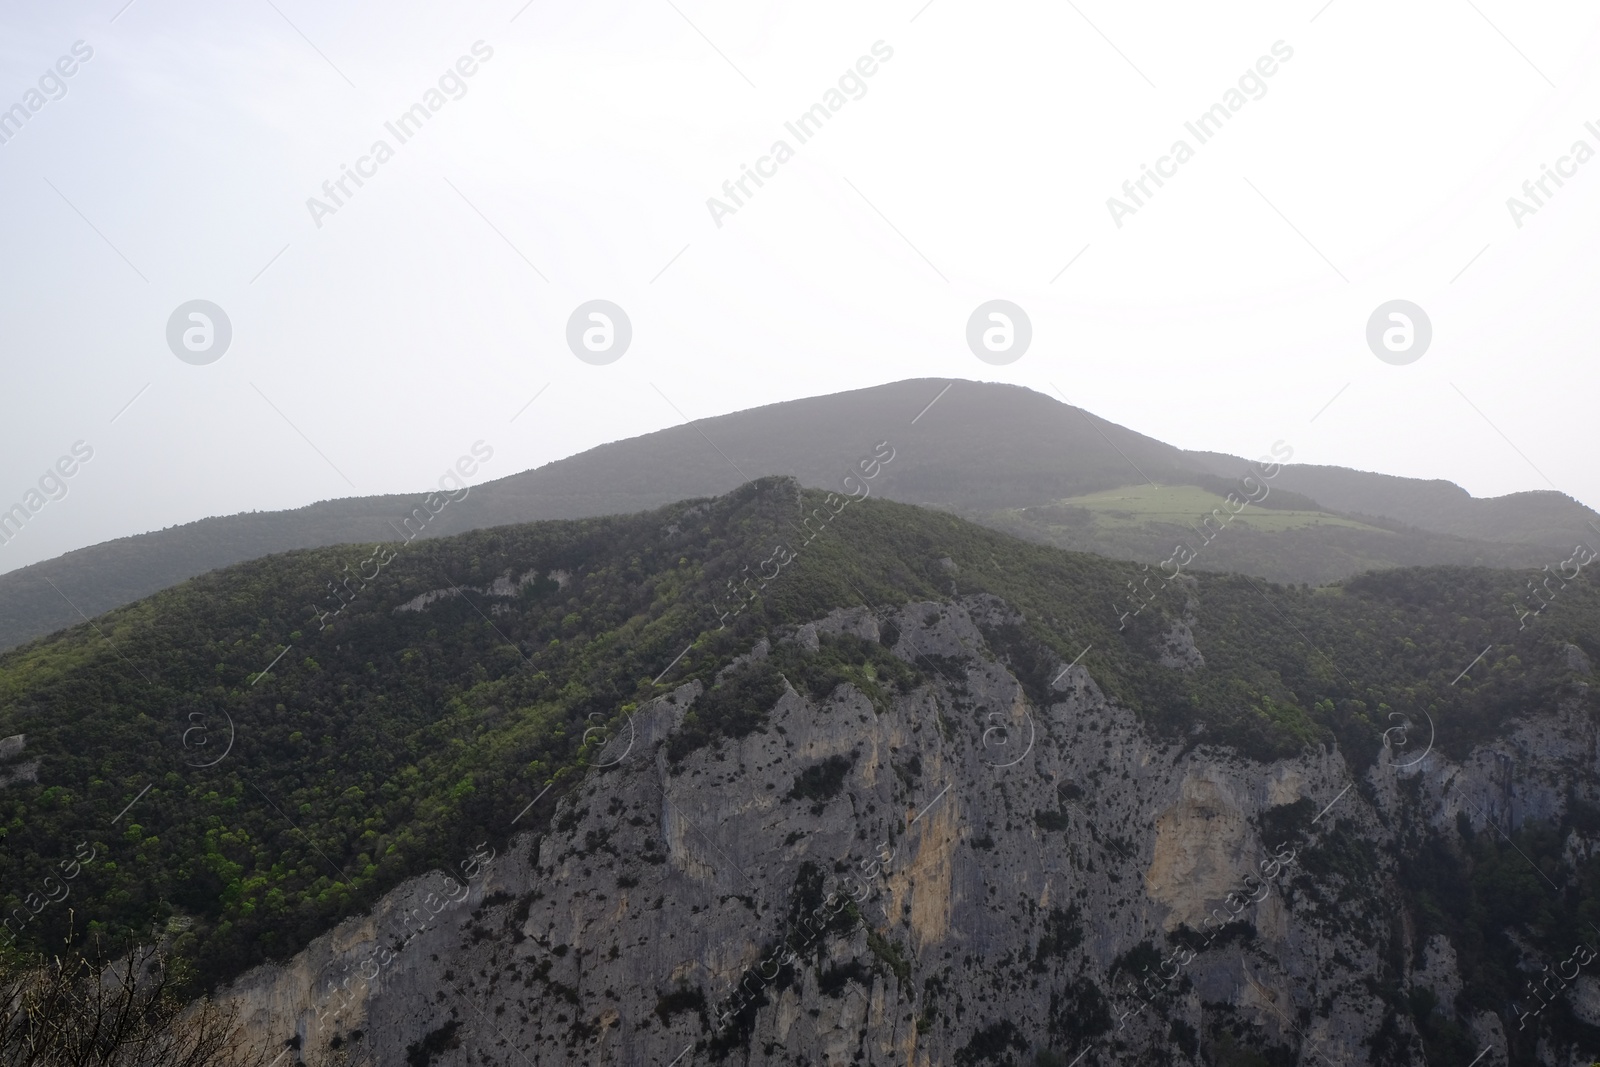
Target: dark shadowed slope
(998, 454)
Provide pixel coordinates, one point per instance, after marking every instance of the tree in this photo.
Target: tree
(78, 1010)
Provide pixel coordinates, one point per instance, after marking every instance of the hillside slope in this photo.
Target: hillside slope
(1064, 787)
(992, 453)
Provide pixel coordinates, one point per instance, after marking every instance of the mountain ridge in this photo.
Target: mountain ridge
(978, 449)
(577, 696)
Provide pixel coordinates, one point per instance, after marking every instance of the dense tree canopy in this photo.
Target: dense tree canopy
(173, 777)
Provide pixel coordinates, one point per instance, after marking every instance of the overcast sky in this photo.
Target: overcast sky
(373, 343)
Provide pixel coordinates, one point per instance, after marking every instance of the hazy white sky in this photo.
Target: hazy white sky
(576, 165)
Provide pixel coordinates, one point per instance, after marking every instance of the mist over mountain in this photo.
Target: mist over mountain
(882, 716)
(1000, 455)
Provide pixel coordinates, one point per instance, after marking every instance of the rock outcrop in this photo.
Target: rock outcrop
(997, 876)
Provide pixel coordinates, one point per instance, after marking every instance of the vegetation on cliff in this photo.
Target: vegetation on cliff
(392, 741)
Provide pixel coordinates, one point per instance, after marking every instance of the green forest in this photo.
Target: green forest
(392, 742)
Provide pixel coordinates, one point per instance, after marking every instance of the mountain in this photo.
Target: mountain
(997, 454)
(925, 792)
(1443, 507)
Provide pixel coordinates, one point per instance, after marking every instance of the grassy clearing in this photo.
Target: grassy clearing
(1183, 505)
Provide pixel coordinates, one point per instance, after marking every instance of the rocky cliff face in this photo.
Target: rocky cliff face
(956, 874)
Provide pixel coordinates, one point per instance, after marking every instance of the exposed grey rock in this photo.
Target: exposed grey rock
(422, 600)
(1584, 996)
(806, 637)
(1178, 650)
(858, 621)
(986, 609)
(1438, 970)
(19, 772)
(1006, 857)
(503, 586)
(1487, 1032)
(761, 650)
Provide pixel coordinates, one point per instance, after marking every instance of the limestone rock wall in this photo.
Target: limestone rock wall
(1022, 877)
